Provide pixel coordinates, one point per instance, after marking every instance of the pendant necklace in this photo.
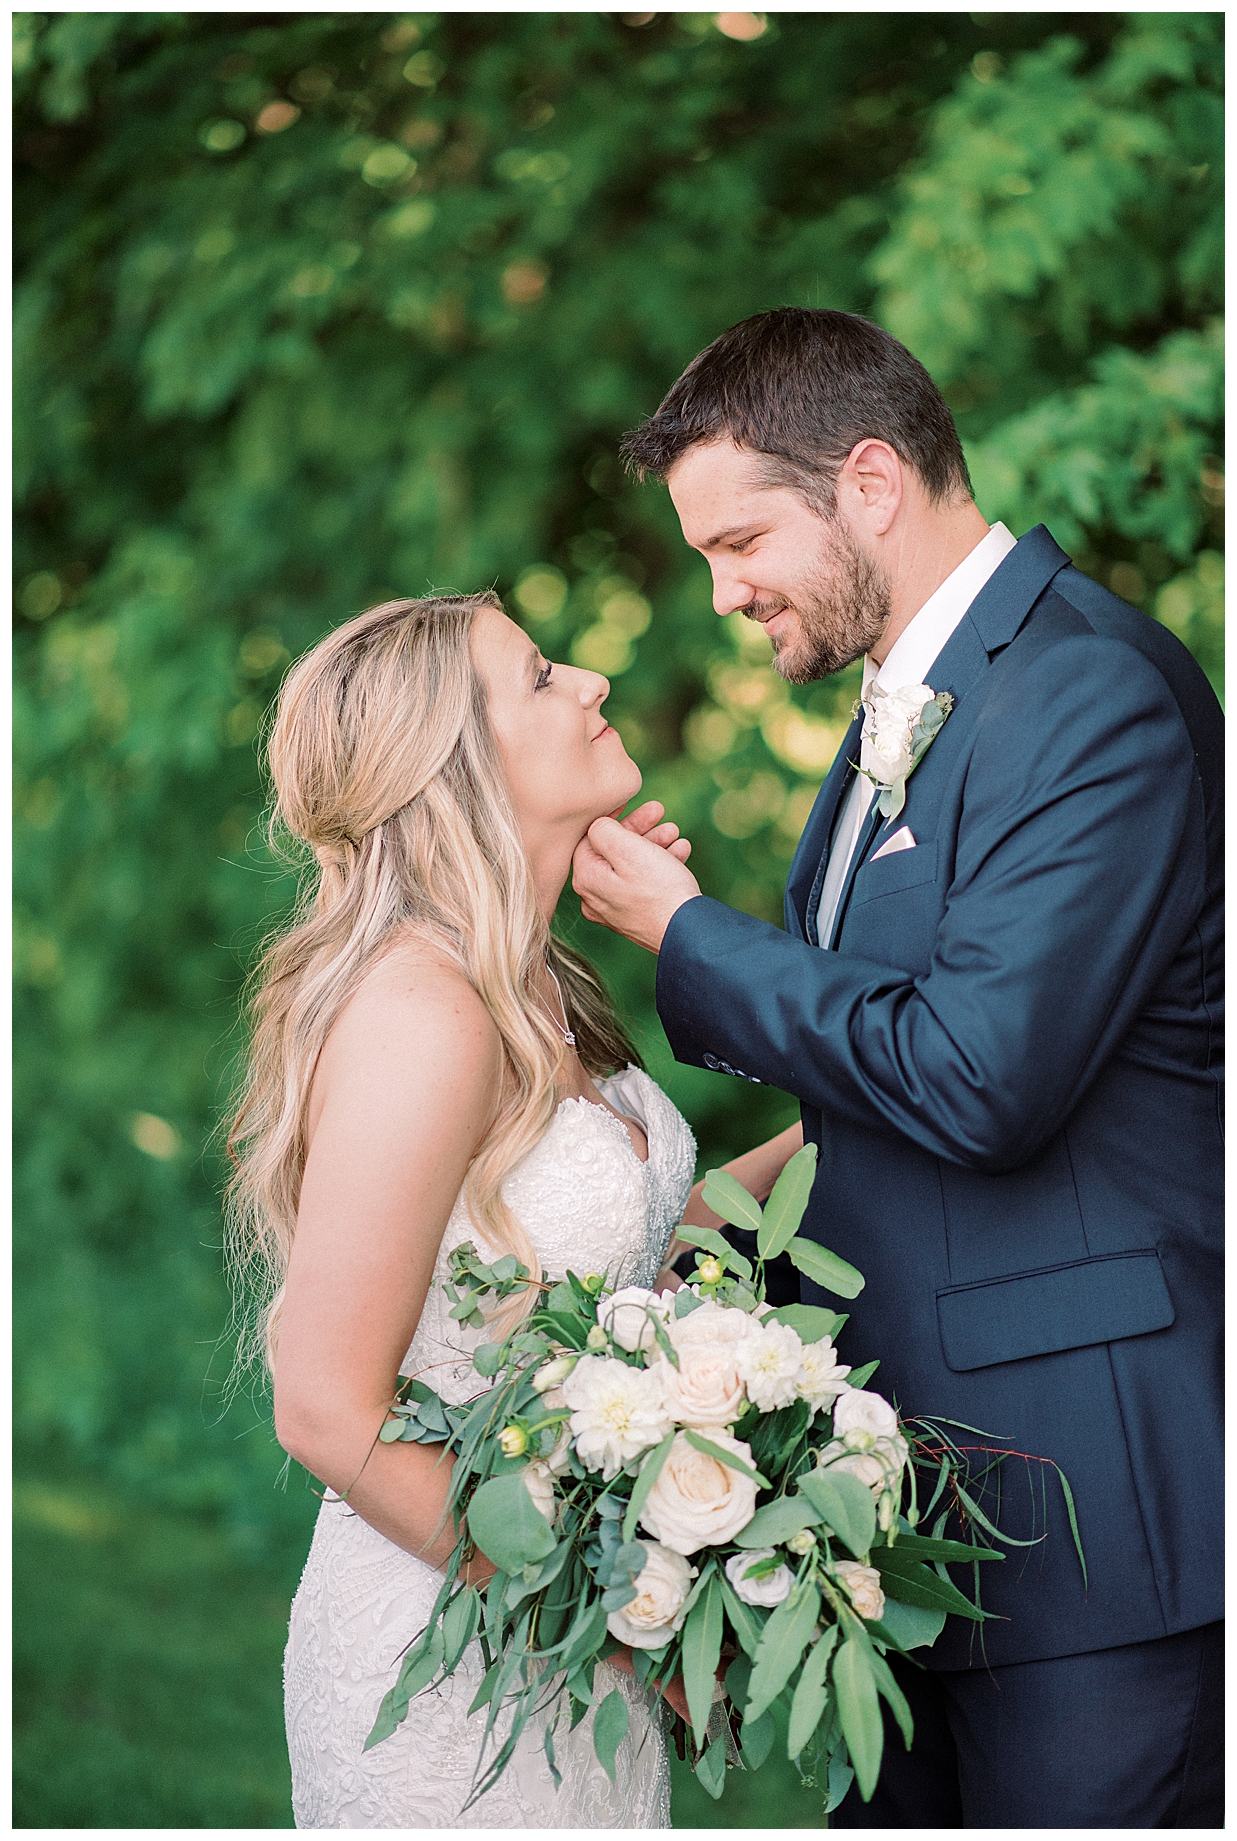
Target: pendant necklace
(567, 1035)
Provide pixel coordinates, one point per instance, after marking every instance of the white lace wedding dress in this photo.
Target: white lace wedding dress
(588, 1203)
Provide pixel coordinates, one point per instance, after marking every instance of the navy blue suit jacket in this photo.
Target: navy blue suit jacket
(1011, 1064)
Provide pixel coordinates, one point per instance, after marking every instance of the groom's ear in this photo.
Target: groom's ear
(871, 485)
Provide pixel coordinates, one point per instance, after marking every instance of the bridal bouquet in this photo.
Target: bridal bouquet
(696, 1477)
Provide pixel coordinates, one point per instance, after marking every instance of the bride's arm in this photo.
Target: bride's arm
(405, 1089)
(757, 1170)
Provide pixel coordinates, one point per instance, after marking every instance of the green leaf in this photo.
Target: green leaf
(728, 1198)
(825, 1268)
(809, 1322)
(861, 1376)
(1070, 1510)
(724, 1457)
(685, 1302)
(910, 1582)
(756, 1739)
(460, 1622)
(922, 1547)
(911, 1626)
(702, 1648)
(859, 1712)
(506, 1524)
(786, 1636)
(747, 1626)
(483, 1693)
(392, 1430)
(846, 1504)
(548, 1742)
(787, 1203)
(644, 1482)
(777, 1522)
(609, 1730)
(889, 1690)
(711, 1769)
(811, 1694)
(487, 1358)
(712, 1242)
(840, 1778)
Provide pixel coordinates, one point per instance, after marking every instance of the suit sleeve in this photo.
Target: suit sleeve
(1078, 874)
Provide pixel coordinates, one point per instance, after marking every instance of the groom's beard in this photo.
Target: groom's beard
(843, 609)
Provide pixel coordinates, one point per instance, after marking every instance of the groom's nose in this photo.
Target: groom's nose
(730, 589)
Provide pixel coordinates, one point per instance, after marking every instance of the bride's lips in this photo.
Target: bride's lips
(607, 730)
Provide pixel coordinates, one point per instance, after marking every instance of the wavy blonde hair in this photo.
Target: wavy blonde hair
(384, 764)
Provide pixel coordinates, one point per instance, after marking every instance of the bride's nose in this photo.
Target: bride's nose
(591, 688)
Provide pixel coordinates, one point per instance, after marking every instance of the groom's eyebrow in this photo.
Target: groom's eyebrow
(728, 536)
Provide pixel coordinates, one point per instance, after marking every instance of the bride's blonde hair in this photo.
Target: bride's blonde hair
(384, 764)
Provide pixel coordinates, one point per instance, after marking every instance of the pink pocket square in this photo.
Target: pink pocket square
(901, 840)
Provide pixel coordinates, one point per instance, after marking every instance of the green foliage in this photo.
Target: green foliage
(314, 309)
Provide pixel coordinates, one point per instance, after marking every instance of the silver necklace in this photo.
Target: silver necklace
(562, 1029)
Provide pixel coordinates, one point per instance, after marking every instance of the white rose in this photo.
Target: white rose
(880, 1466)
(627, 1317)
(863, 1587)
(705, 1389)
(891, 719)
(770, 1589)
(698, 1501)
(617, 1412)
(821, 1376)
(769, 1366)
(854, 1410)
(656, 1611)
(711, 1326)
(539, 1482)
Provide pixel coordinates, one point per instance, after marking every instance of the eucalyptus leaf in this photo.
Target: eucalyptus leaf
(700, 1443)
(609, 1730)
(809, 1322)
(649, 1471)
(711, 1768)
(747, 1625)
(756, 1739)
(825, 1268)
(913, 1583)
(685, 1302)
(778, 1521)
(811, 1694)
(787, 1203)
(846, 1504)
(859, 1712)
(785, 1637)
(710, 1241)
(460, 1622)
(702, 1648)
(911, 1626)
(727, 1197)
(507, 1525)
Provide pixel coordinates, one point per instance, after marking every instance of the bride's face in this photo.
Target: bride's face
(565, 765)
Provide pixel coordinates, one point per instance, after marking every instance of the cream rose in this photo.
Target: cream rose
(705, 1389)
(863, 1587)
(711, 1326)
(879, 1466)
(698, 1501)
(769, 1589)
(656, 1611)
(539, 1482)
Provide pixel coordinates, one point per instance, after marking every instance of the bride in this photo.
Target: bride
(429, 1065)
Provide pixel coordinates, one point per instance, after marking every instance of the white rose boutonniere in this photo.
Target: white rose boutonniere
(899, 728)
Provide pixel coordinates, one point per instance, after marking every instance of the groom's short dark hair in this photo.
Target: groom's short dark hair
(802, 386)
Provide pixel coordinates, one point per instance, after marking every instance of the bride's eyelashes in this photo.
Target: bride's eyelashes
(543, 677)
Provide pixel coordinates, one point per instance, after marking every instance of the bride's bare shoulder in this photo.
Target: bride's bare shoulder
(413, 1020)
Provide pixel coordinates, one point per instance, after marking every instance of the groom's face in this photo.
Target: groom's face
(820, 599)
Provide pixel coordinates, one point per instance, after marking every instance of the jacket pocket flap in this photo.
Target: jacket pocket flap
(1059, 1307)
(905, 869)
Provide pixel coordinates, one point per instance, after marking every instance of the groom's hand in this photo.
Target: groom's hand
(629, 883)
(644, 822)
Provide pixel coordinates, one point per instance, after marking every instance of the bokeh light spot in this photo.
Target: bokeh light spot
(154, 1136)
(742, 26)
(277, 116)
(222, 136)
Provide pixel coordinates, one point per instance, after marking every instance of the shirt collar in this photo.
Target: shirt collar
(916, 650)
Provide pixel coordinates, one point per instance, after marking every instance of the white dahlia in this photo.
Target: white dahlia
(616, 1412)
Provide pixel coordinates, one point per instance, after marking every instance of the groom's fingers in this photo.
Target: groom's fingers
(642, 820)
(682, 849)
(627, 883)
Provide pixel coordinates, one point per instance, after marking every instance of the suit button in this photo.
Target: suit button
(711, 1061)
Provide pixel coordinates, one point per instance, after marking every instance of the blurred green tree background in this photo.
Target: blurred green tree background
(315, 309)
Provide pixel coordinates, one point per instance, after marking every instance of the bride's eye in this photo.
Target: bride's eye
(543, 677)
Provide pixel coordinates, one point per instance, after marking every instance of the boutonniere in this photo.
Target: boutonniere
(900, 727)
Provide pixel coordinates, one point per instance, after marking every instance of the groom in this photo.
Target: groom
(997, 999)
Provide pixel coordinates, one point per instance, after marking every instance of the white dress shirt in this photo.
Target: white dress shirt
(910, 659)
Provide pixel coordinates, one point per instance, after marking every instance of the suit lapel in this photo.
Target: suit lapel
(809, 860)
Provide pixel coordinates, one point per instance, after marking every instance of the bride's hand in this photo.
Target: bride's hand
(644, 821)
(675, 1693)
